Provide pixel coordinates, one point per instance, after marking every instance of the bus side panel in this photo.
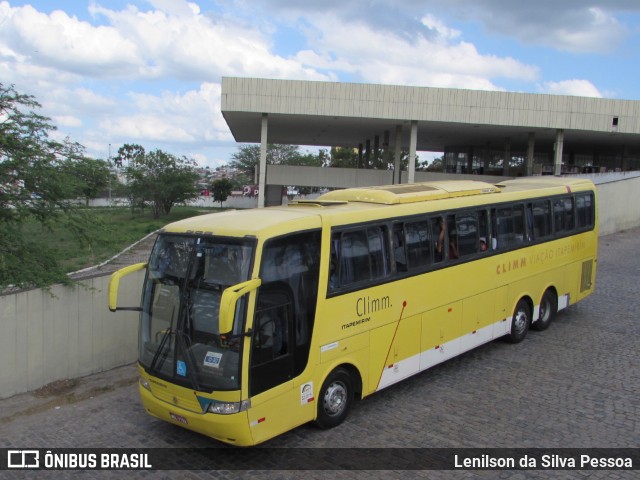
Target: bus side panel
(402, 358)
(502, 324)
(477, 321)
(585, 274)
(441, 331)
(265, 420)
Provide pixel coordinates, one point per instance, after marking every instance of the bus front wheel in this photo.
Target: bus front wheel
(520, 322)
(335, 399)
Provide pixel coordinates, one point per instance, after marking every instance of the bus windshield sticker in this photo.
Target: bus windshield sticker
(306, 393)
(212, 359)
(181, 368)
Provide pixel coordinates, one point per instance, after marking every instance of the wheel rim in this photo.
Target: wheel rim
(335, 399)
(520, 321)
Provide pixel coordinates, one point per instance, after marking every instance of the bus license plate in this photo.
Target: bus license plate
(178, 418)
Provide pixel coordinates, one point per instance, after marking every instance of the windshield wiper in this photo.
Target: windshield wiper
(167, 334)
(182, 337)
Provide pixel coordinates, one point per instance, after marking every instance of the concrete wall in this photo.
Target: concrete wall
(68, 332)
(65, 332)
(353, 177)
(617, 200)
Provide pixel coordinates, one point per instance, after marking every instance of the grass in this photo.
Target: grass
(118, 229)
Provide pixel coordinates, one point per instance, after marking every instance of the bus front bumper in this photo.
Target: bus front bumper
(233, 429)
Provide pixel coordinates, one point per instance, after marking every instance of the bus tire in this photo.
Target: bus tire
(520, 322)
(336, 397)
(548, 310)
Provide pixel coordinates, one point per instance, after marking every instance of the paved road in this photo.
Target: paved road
(575, 385)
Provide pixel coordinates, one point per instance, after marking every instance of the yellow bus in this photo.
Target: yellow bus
(255, 322)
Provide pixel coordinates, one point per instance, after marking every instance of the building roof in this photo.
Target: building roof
(347, 114)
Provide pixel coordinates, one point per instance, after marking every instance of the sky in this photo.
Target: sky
(149, 71)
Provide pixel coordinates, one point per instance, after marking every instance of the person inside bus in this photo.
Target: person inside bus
(440, 242)
(483, 244)
(399, 253)
(453, 237)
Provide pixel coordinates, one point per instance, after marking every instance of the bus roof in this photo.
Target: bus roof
(248, 223)
(340, 204)
(411, 193)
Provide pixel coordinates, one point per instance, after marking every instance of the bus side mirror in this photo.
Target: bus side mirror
(114, 283)
(229, 300)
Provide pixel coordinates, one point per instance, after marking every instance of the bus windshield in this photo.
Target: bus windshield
(179, 337)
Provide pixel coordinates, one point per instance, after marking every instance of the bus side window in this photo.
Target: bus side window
(417, 241)
(363, 255)
(584, 210)
(467, 233)
(541, 219)
(399, 247)
(484, 236)
(509, 225)
(563, 216)
(438, 235)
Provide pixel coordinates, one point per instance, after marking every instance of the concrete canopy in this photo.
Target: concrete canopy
(347, 114)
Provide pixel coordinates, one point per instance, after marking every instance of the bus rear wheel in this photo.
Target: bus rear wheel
(520, 322)
(336, 397)
(548, 310)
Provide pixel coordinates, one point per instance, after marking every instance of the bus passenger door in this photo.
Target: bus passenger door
(281, 396)
(271, 364)
(271, 356)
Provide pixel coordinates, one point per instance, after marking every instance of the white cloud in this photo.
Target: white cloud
(63, 42)
(178, 41)
(569, 25)
(380, 56)
(433, 23)
(67, 121)
(151, 74)
(579, 88)
(192, 117)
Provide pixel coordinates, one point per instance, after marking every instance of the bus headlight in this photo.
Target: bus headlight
(228, 408)
(145, 383)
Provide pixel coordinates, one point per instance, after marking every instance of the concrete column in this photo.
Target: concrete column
(376, 149)
(262, 177)
(558, 147)
(412, 151)
(367, 154)
(530, 153)
(397, 166)
(487, 156)
(470, 160)
(507, 157)
(386, 148)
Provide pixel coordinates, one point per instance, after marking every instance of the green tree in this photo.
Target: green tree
(436, 165)
(158, 178)
(221, 189)
(247, 158)
(342, 157)
(92, 176)
(37, 192)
